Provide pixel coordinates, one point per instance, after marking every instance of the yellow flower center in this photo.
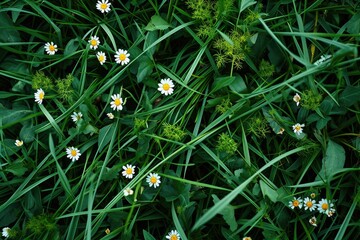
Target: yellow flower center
(51, 48)
(73, 153)
(101, 58)
(103, 6)
(117, 102)
(298, 128)
(166, 86)
(173, 237)
(129, 171)
(41, 95)
(309, 204)
(153, 180)
(122, 57)
(93, 42)
(296, 203)
(324, 206)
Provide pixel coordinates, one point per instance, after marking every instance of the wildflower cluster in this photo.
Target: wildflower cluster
(324, 206)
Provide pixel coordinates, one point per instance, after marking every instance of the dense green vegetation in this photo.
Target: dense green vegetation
(196, 119)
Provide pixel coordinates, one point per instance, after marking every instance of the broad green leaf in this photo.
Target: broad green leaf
(148, 236)
(228, 214)
(157, 23)
(10, 214)
(111, 173)
(150, 38)
(333, 161)
(18, 169)
(145, 68)
(221, 82)
(238, 85)
(268, 191)
(105, 134)
(245, 4)
(8, 32)
(350, 96)
(27, 134)
(322, 123)
(8, 147)
(173, 189)
(71, 46)
(12, 116)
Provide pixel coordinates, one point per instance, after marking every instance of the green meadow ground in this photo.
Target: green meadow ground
(216, 119)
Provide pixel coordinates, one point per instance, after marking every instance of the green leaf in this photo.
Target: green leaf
(110, 173)
(238, 85)
(245, 4)
(18, 169)
(71, 46)
(12, 116)
(333, 161)
(150, 38)
(268, 191)
(8, 32)
(228, 214)
(27, 134)
(221, 82)
(105, 135)
(148, 236)
(157, 23)
(8, 147)
(225, 37)
(145, 69)
(350, 96)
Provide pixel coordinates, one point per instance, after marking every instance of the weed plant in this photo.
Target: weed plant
(197, 119)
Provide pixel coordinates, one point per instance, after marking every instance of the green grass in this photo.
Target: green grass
(223, 143)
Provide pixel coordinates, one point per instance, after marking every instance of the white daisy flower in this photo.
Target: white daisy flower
(103, 6)
(5, 232)
(173, 235)
(101, 57)
(50, 48)
(110, 115)
(94, 42)
(122, 57)
(326, 207)
(309, 204)
(153, 179)
(298, 128)
(73, 153)
(39, 96)
(166, 86)
(117, 103)
(296, 203)
(129, 171)
(76, 116)
(297, 99)
(246, 238)
(19, 143)
(128, 192)
(312, 221)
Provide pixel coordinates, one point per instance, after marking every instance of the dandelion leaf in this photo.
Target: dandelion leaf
(333, 161)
